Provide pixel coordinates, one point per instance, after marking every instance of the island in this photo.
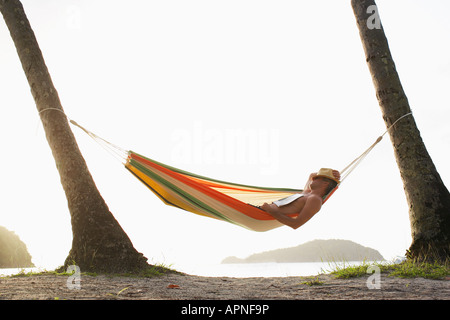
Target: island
(314, 251)
(13, 252)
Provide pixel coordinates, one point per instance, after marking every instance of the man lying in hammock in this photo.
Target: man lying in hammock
(296, 210)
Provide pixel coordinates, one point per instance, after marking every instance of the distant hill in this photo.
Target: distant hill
(13, 252)
(314, 251)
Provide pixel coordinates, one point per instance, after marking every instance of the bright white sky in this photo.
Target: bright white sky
(179, 80)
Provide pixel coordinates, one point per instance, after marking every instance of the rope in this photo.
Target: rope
(116, 151)
(349, 168)
(122, 154)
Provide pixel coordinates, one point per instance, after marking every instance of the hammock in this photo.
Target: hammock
(231, 202)
(226, 201)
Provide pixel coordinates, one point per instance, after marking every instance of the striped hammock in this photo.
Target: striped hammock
(226, 201)
(231, 202)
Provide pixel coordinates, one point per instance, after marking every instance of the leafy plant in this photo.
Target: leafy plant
(406, 269)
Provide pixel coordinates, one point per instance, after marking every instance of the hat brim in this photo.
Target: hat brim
(328, 177)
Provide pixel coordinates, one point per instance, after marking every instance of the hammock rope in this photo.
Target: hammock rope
(231, 202)
(116, 151)
(352, 165)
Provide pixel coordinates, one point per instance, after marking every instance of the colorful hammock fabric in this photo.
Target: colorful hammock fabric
(231, 202)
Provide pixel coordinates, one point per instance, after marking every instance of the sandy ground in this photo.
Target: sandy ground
(187, 287)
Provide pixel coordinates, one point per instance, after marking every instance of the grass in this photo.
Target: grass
(406, 269)
(24, 273)
(151, 271)
(412, 269)
(312, 281)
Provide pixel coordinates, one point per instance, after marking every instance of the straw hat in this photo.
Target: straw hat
(326, 173)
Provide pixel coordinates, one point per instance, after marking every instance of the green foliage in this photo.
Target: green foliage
(414, 269)
(406, 269)
(155, 270)
(343, 271)
(148, 272)
(312, 281)
(151, 271)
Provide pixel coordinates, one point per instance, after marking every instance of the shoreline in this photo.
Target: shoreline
(245, 270)
(175, 286)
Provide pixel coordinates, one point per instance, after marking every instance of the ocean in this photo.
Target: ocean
(245, 270)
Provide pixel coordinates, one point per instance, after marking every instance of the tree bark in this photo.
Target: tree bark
(427, 197)
(99, 243)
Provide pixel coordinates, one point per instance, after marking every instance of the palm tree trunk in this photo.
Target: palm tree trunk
(428, 198)
(99, 243)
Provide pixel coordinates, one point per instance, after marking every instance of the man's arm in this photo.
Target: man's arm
(307, 189)
(312, 206)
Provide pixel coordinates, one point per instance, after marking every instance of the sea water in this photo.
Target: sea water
(245, 270)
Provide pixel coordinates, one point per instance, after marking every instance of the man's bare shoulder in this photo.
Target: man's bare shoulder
(313, 199)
